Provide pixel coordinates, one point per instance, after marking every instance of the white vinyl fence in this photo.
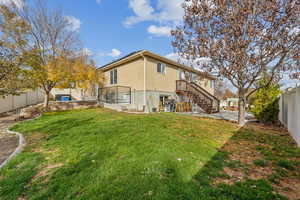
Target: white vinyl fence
(290, 112)
(12, 102)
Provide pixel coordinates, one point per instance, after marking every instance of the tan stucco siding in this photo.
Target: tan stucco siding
(156, 81)
(207, 85)
(167, 82)
(130, 74)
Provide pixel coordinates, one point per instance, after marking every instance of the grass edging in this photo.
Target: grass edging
(21, 145)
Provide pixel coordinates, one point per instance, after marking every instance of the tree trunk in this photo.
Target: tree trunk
(242, 106)
(46, 100)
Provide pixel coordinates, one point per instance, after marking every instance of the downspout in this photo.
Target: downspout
(145, 99)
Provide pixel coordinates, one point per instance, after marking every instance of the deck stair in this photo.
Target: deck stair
(198, 95)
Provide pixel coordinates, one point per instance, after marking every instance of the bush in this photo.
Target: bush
(266, 106)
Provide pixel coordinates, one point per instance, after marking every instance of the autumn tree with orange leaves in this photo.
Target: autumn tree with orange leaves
(85, 74)
(51, 55)
(242, 39)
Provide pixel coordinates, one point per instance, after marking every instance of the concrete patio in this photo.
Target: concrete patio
(224, 115)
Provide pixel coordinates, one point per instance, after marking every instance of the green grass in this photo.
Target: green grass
(102, 154)
(260, 163)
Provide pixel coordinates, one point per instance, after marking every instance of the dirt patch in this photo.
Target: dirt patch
(243, 151)
(289, 187)
(8, 144)
(46, 171)
(260, 126)
(255, 165)
(236, 174)
(260, 172)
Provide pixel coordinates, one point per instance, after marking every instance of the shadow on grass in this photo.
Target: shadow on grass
(86, 179)
(100, 174)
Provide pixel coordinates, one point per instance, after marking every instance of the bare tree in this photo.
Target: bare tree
(51, 42)
(222, 91)
(242, 38)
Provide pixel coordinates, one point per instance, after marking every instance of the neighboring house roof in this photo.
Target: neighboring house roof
(138, 54)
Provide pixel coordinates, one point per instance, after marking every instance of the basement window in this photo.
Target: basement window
(161, 68)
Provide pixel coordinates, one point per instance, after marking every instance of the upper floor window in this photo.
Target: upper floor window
(114, 76)
(194, 77)
(182, 75)
(212, 83)
(161, 68)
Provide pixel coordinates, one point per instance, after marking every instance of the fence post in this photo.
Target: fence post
(12, 102)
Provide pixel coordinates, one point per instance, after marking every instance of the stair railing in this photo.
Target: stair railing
(216, 101)
(199, 95)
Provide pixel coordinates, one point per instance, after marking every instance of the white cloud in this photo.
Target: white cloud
(114, 53)
(143, 11)
(170, 11)
(18, 3)
(74, 23)
(98, 1)
(159, 30)
(197, 64)
(165, 12)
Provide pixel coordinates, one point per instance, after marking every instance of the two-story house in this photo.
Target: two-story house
(143, 81)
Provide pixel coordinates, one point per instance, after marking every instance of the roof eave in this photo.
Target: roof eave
(158, 57)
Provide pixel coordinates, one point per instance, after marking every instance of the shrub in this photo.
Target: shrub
(266, 107)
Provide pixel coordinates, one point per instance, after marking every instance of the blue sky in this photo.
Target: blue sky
(111, 29)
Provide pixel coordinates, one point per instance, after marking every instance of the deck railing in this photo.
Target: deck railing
(115, 95)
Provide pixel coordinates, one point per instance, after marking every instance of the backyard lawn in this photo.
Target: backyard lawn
(103, 154)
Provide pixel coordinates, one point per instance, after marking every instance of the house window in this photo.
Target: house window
(181, 75)
(194, 77)
(113, 76)
(161, 68)
(211, 84)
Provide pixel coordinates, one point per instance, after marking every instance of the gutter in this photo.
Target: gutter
(145, 99)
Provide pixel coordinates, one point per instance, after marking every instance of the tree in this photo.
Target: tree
(266, 107)
(219, 89)
(84, 74)
(242, 39)
(12, 75)
(50, 45)
(229, 94)
(222, 91)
